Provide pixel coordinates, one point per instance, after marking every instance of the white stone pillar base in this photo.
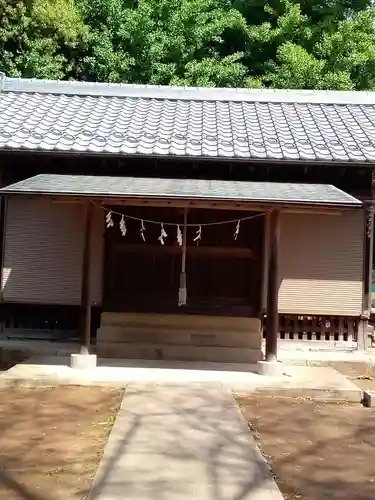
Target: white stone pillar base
(83, 361)
(270, 368)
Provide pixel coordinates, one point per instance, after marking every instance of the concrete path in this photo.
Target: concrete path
(181, 443)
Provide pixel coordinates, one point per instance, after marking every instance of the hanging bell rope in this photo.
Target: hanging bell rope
(182, 291)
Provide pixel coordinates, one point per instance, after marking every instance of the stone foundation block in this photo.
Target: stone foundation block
(270, 368)
(83, 361)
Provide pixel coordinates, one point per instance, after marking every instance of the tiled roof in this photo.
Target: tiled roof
(187, 122)
(188, 189)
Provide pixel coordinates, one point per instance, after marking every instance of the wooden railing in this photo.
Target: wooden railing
(42, 321)
(316, 328)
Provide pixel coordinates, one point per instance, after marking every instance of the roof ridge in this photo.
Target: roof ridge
(163, 92)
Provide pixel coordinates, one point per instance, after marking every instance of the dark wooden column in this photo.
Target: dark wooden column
(85, 286)
(265, 264)
(273, 286)
(2, 228)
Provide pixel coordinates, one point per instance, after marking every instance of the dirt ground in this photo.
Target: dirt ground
(51, 440)
(362, 374)
(316, 450)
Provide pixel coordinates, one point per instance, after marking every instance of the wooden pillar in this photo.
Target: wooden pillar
(273, 286)
(85, 285)
(265, 263)
(2, 233)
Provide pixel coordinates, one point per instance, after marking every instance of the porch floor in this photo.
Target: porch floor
(308, 381)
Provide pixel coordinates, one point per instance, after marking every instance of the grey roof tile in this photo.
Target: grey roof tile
(102, 186)
(228, 123)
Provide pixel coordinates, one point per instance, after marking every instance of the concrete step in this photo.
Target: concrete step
(178, 352)
(184, 321)
(166, 335)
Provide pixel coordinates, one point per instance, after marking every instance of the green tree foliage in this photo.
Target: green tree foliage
(323, 44)
(297, 52)
(14, 26)
(38, 38)
(193, 42)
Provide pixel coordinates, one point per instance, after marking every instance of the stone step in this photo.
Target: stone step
(163, 335)
(178, 352)
(185, 321)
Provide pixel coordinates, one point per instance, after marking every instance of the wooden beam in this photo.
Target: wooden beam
(85, 285)
(315, 211)
(273, 286)
(219, 205)
(248, 206)
(193, 250)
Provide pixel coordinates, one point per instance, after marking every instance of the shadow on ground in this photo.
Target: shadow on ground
(51, 440)
(181, 443)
